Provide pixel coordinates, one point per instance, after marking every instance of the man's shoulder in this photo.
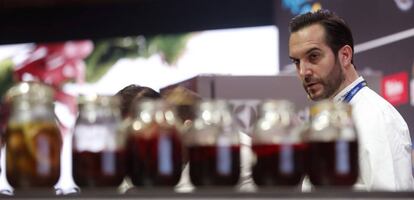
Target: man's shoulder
(369, 103)
(367, 98)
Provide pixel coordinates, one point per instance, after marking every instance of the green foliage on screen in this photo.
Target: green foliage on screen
(6, 75)
(108, 51)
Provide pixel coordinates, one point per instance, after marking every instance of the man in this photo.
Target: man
(321, 47)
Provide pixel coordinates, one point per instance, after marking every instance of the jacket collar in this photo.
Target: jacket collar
(341, 95)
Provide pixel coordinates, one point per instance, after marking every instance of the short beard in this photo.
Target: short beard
(331, 83)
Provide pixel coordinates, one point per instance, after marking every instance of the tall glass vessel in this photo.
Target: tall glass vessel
(333, 145)
(214, 146)
(279, 149)
(33, 140)
(98, 146)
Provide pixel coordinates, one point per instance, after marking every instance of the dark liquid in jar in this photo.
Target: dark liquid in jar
(276, 164)
(105, 168)
(4, 116)
(333, 163)
(214, 165)
(185, 112)
(33, 155)
(156, 158)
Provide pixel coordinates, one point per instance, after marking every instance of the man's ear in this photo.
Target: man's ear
(345, 55)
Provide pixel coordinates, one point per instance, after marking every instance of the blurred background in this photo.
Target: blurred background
(91, 46)
(103, 46)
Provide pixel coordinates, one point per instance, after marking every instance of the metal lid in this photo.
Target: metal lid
(99, 100)
(30, 91)
(272, 104)
(277, 112)
(330, 106)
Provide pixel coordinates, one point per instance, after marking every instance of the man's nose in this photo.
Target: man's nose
(304, 69)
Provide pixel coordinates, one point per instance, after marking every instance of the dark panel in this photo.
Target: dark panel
(368, 19)
(52, 21)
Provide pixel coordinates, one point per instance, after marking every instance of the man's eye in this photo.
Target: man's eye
(295, 61)
(313, 57)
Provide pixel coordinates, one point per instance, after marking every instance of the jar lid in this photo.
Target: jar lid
(152, 105)
(273, 104)
(99, 100)
(214, 104)
(30, 91)
(330, 106)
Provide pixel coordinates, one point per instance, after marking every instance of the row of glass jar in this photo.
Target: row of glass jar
(152, 146)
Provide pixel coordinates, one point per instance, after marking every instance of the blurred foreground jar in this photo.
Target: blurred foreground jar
(33, 140)
(333, 146)
(98, 145)
(183, 100)
(4, 116)
(154, 145)
(213, 146)
(278, 147)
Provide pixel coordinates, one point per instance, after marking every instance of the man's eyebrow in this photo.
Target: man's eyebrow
(307, 52)
(312, 49)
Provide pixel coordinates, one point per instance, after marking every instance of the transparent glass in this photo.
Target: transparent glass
(33, 140)
(214, 146)
(333, 145)
(4, 116)
(278, 146)
(99, 147)
(154, 145)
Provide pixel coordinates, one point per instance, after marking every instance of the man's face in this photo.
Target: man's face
(316, 64)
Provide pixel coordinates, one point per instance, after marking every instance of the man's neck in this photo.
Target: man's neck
(350, 76)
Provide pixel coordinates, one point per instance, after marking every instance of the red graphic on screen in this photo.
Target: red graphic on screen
(394, 88)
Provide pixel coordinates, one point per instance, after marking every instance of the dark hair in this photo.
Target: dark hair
(337, 32)
(133, 93)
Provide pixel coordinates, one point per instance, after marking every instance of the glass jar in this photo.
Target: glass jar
(154, 145)
(278, 147)
(98, 145)
(33, 140)
(183, 100)
(4, 116)
(333, 145)
(214, 146)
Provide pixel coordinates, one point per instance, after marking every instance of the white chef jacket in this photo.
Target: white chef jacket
(384, 141)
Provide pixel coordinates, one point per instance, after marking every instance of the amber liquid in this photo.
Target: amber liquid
(214, 165)
(155, 160)
(33, 155)
(333, 163)
(4, 116)
(281, 165)
(102, 169)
